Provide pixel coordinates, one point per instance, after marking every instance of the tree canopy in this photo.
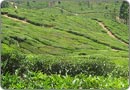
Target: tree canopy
(4, 4)
(124, 14)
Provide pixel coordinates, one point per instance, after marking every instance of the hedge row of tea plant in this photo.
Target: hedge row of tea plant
(38, 80)
(15, 61)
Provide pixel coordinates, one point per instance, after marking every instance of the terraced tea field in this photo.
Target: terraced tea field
(64, 45)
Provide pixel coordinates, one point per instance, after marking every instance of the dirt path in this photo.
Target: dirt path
(15, 19)
(110, 33)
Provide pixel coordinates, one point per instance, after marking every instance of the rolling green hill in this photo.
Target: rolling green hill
(61, 40)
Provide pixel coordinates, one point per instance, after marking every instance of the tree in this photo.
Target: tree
(4, 4)
(124, 14)
(28, 4)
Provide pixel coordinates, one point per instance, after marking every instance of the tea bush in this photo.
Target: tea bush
(11, 61)
(15, 62)
(38, 80)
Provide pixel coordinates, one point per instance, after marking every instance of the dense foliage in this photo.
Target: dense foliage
(15, 62)
(4, 4)
(57, 81)
(124, 12)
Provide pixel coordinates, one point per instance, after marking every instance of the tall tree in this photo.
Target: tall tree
(4, 4)
(124, 14)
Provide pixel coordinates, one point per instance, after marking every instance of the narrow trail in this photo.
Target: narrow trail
(110, 33)
(15, 19)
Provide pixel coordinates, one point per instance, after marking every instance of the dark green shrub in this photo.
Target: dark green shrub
(15, 16)
(11, 61)
(73, 66)
(18, 38)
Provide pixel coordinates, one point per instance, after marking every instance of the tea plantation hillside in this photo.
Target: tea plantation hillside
(65, 44)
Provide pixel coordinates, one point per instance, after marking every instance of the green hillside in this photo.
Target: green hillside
(64, 45)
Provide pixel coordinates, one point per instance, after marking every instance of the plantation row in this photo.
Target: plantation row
(14, 61)
(42, 41)
(86, 33)
(57, 81)
(60, 72)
